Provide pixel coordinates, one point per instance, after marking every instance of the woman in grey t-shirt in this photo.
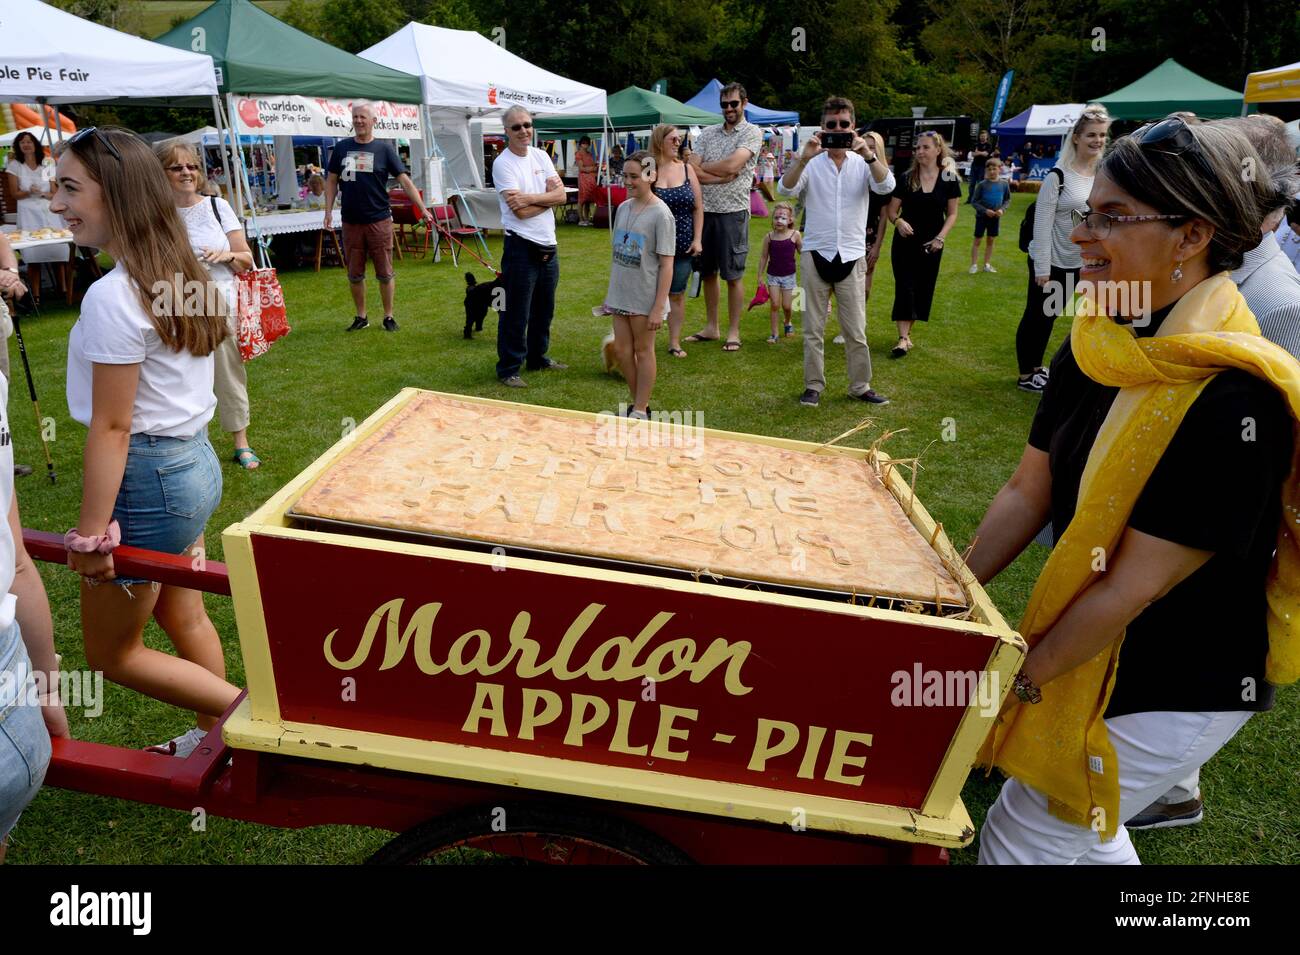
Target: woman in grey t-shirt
(645, 240)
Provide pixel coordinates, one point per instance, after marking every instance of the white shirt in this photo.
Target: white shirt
(174, 398)
(525, 174)
(207, 233)
(1271, 289)
(837, 201)
(7, 552)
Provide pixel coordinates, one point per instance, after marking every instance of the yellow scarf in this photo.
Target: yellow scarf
(1060, 746)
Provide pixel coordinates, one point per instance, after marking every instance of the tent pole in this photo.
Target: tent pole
(609, 177)
(45, 121)
(237, 154)
(221, 144)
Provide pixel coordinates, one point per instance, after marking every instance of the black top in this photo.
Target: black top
(925, 211)
(364, 170)
(875, 202)
(979, 159)
(1201, 647)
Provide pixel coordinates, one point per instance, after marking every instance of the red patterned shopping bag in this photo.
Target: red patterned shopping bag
(262, 317)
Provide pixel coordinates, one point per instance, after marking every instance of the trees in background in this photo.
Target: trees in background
(886, 55)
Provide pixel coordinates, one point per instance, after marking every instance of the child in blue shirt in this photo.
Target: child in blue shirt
(991, 198)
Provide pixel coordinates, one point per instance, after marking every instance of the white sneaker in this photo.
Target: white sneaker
(181, 745)
(837, 340)
(973, 269)
(987, 268)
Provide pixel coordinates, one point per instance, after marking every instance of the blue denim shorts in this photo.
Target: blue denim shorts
(781, 281)
(170, 488)
(24, 741)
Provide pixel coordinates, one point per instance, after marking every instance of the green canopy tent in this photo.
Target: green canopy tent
(631, 108)
(1172, 87)
(254, 53)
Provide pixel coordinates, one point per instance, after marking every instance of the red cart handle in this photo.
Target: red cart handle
(177, 570)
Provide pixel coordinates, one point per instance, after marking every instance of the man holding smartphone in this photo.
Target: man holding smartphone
(835, 174)
(724, 160)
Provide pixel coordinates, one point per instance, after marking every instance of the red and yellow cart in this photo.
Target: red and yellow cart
(574, 638)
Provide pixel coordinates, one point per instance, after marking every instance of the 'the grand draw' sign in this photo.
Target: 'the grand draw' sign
(315, 116)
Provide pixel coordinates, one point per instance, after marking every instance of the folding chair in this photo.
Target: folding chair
(452, 229)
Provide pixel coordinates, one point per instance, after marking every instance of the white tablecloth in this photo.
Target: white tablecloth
(281, 223)
(480, 207)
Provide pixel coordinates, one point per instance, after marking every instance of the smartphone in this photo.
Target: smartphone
(842, 140)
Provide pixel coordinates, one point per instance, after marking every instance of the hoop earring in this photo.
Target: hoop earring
(1177, 275)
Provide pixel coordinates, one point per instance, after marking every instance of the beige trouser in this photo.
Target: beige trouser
(230, 382)
(851, 303)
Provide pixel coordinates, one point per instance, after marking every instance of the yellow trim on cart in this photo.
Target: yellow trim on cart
(619, 784)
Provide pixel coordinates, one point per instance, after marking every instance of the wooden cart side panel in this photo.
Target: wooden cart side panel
(250, 619)
(1003, 664)
(566, 777)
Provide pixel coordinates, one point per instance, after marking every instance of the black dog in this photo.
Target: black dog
(479, 297)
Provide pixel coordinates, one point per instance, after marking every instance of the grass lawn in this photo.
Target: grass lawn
(305, 391)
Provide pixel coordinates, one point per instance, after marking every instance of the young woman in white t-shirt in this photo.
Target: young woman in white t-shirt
(140, 367)
(218, 240)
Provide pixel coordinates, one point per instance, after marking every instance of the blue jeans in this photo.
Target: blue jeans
(169, 489)
(524, 328)
(24, 741)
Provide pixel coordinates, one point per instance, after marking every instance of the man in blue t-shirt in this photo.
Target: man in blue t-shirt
(360, 168)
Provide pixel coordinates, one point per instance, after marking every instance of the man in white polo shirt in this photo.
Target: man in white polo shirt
(836, 186)
(527, 187)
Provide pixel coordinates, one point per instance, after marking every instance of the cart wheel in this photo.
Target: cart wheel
(526, 833)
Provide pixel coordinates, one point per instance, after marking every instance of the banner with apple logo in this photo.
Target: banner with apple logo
(258, 115)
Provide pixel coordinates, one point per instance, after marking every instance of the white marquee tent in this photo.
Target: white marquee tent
(47, 55)
(464, 76)
(50, 56)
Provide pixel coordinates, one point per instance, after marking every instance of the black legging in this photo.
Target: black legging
(1036, 323)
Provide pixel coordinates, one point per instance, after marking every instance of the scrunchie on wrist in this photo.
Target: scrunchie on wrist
(74, 542)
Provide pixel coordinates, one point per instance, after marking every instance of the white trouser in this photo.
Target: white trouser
(1155, 750)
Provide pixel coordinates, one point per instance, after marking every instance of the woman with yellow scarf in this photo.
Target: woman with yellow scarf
(1163, 454)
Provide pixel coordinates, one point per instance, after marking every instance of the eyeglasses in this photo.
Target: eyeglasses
(183, 167)
(90, 131)
(1099, 223)
(518, 126)
(837, 124)
(729, 103)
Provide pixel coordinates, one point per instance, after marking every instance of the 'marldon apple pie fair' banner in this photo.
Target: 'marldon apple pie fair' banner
(313, 116)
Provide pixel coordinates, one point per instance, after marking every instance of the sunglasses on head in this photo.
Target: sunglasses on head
(183, 167)
(729, 103)
(837, 124)
(93, 131)
(518, 126)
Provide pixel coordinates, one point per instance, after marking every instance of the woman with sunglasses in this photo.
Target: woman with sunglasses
(923, 210)
(218, 240)
(30, 182)
(1053, 259)
(679, 188)
(140, 369)
(1160, 452)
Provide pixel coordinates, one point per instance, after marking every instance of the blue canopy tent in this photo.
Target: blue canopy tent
(707, 100)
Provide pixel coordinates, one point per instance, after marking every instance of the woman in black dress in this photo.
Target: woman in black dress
(923, 210)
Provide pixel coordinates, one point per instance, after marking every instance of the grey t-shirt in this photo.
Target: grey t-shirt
(640, 237)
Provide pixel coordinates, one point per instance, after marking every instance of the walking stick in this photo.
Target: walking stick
(31, 384)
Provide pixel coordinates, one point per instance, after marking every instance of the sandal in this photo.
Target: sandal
(697, 337)
(677, 352)
(246, 459)
(902, 348)
(772, 340)
(731, 346)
